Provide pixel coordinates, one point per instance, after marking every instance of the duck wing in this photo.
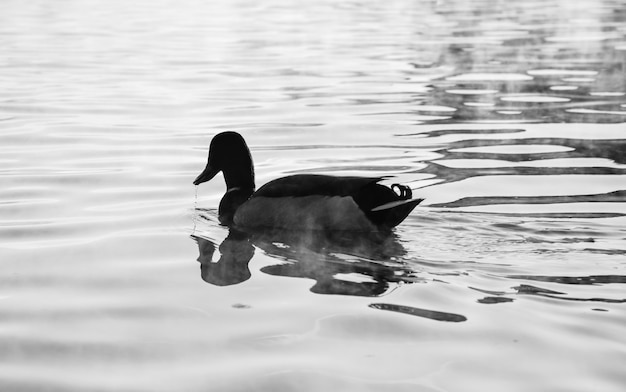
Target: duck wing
(381, 205)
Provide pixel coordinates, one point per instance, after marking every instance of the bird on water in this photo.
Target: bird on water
(301, 201)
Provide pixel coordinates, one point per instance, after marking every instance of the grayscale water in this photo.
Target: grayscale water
(507, 117)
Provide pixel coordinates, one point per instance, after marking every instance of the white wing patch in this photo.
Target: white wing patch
(303, 213)
(393, 204)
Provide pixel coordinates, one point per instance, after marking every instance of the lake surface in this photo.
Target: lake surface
(506, 117)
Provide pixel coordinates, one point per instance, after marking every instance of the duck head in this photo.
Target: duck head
(229, 154)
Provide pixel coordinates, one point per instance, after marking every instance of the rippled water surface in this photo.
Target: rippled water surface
(506, 117)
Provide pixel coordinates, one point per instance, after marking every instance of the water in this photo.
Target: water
(507, 117)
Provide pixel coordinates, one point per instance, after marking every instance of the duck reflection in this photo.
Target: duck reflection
(236, 251)
(339, 262)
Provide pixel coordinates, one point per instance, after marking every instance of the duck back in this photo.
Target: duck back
(314, 185)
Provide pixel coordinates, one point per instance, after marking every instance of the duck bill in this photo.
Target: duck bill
(208, 173)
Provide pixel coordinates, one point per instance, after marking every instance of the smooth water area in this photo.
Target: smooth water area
(506, 117)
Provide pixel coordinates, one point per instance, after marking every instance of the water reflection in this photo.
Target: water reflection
(543, 292)
(582, 280)
(339, 262)
(236, 251)
(612, 149)
(426, 313)
(487, 154)
(527, 289)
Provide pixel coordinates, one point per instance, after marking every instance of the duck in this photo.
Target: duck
(300, 201)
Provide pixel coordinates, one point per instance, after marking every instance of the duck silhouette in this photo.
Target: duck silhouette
(302, 201)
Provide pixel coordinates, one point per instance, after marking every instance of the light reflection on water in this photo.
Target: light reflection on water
(508, 118)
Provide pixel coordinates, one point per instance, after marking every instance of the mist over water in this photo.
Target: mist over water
(506, 117)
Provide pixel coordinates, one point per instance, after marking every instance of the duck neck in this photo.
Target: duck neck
(231, 201)
(239, 177)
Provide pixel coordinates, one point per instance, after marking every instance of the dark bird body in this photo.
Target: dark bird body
(303, 201)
